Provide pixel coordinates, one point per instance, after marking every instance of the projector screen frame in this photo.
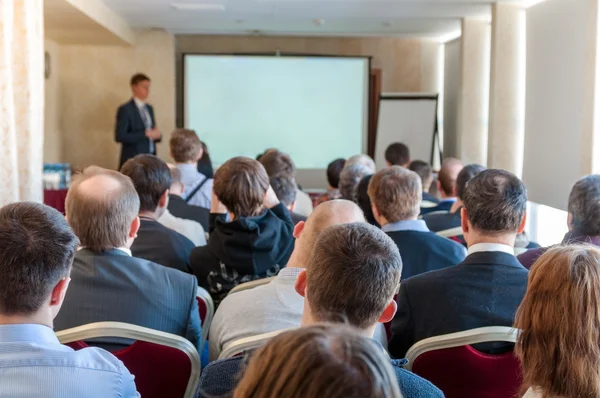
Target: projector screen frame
(276, 54)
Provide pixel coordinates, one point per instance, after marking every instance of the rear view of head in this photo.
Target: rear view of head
(362, 159)
(396, 194)
(185, 146)
(241, 184)
(584, 206)
(364, 201)
(350, 177)
(465, 175)
(447, 177)
(102, 208)
(351, 276)
(277, 163)
(333, 172)
(36, 256)
(319, 361)
(424, 171)
(494, 207)
(286, 190)
(560, 322)
(152, 179)
(397, 154)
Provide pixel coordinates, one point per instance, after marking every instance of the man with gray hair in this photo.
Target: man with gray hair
(107, 283)
(395, 194)
(350, 178)
(583, 219)
(487, 287)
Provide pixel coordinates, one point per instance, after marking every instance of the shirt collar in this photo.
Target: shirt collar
(125, 250)
(27, 332)
(288, 275)
(188, 168)
(138, 102)
(406, 225)
(448, 200)
(490, 247)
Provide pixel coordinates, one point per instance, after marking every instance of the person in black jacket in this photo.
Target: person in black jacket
(179, 207)
(257, 241)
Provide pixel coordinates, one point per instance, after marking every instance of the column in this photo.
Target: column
(507, 88)
(474, 91)
(21, 100)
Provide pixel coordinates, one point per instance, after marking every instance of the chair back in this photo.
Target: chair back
(164, 365)
(206, 307)
(240, 346)
(250, 285)
(456, 368)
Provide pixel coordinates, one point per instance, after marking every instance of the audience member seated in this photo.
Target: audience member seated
(179, 208)
(186, 150)
(277, 163)
(350, 177)
(583, 218)
(397, 154)
(363, 200)
(107, 283)
(333, 362)
(446, 185)
(363, 159)
(276, 305)
(35, 260)
(445, 221)
(425, 172)
(351, 277)
(204, 163)
(256, 242)
(286, 189)
(396, 195)
(333, 180)
(560, 322)
(487, 287)
(154, 241)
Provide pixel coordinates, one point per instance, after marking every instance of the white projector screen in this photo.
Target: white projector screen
(314, 108)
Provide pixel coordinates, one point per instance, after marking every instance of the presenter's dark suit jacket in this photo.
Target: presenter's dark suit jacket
(113, 286)
(484, 290)
(130, 131)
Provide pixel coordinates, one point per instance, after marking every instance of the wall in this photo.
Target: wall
(452, 67)
(408, 65)
(52, 131)
(94, 81)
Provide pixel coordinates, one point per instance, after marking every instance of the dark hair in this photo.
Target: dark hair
(584, 205)
(397, 154)
(37, 251)
(285, 188)
(205, 164)
(363, 200)
(495, 202)
(465, 175)
(138, 78)
(241, 184)
(151, 178)
(353, 272)
(277, 163)
(333, 172)
(423, 170)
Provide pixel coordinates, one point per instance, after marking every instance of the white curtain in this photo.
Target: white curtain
(21, 100)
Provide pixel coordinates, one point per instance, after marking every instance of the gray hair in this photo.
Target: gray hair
(364, 160)
(349, 179)
(584, 205)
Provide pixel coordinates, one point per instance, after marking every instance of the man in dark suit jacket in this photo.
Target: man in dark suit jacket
(107, 283)
(179, 207)
(425, 172)
(155, 242)
(395, 194)
(487, 287)
(136, 128)
(446, 186)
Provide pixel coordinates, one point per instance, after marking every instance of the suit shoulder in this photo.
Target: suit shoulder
(430, 277)
(160, 272)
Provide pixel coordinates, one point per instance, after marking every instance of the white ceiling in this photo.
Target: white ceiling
(425, 18)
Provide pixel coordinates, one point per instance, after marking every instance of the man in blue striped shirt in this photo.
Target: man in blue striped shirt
(36, 253)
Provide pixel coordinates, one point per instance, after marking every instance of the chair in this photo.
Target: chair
(250, 285)
(240, 346)
(207, 311)
(164, 365)
(449, 233)
(460, 371)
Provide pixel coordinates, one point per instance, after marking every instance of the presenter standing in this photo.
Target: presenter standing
(136, 127)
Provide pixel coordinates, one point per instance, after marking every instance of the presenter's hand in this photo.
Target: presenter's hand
(271, 199)
(216, 207)
(154, 134)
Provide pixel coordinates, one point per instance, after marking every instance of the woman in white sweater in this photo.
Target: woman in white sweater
(559, 346)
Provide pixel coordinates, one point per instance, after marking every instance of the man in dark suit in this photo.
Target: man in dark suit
(425, 172)
(446, 186)
(107, 283)
(155, 242)
(179, 207)
(136, 128)
(487, 287)
(395, 194)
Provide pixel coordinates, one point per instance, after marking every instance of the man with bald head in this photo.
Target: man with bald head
(276, 305)
(446, 184)
(107, 283)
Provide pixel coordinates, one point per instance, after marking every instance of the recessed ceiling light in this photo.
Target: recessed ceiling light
(198, 6)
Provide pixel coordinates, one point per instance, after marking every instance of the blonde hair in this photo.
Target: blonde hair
(319, 361)
(559, 346)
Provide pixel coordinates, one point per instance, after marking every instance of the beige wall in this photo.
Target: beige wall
(94, 81)
(52, 131)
